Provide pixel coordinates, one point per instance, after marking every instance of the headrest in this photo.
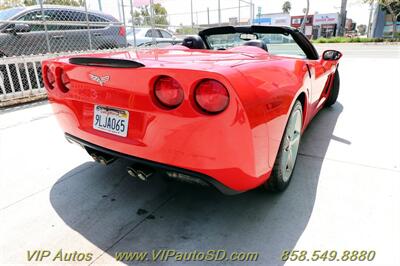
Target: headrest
(194, 42)
(257, 43)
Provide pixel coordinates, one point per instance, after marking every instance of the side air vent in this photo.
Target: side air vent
(105, 62)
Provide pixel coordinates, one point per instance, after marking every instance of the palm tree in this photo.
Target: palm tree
(287, 6)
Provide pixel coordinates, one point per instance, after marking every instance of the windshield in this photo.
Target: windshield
(277, 43)
(9, 13)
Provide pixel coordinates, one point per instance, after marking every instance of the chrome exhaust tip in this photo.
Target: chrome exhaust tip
(103, 159)
(141, 172)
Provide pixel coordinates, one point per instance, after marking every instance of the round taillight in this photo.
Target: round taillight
(50, 78)
(168, 92)
(65, 81)
(211, 96)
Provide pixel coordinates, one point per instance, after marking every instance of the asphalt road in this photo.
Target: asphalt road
(345, 193)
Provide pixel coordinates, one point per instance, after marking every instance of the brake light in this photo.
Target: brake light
(49, 79)
(122, 31)
(168, 92)
(65, 82)
(211, 96)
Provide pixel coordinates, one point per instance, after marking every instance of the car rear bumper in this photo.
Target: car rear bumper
(155, 165)
(228, 146)
(222, 147)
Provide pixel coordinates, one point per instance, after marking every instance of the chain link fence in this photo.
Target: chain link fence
(31, 34)
(21, 77)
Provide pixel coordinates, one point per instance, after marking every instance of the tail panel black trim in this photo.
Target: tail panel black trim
(105, 62)
(219, 186)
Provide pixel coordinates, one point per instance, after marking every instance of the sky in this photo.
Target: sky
(179, 10)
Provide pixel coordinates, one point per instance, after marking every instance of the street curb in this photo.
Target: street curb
(29, 99)
(359, 43)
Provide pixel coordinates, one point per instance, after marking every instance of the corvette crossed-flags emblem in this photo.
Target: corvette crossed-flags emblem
(98, 79)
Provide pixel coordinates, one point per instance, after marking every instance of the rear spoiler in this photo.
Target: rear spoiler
(105, 62)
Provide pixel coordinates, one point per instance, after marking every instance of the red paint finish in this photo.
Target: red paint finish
(237, 146)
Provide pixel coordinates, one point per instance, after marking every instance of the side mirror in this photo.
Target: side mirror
(331, 55)
(18, 28)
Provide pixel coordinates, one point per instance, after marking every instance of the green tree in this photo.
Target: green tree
(287, 6)
(30, 2)
(64, 2)
(184, 30)
(392, 7)
(10, 3)
(142, 17)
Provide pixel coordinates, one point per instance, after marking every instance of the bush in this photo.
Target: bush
(353, 40)
(320, 40)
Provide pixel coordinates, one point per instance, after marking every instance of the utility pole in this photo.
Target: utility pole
(219, 12)
(191, 11)
(133, 24)
(254, 9)
(239, 13)
(124, 20)
(119, 10)
(100, 7)
(45, 26)
(251, 12)
(303, 22)
(153, 38)
(343, 12)
(88, 26)
(123, 11)
(369, 32)
(208, 15)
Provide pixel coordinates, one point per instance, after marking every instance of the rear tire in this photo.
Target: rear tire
(334, 93)
(286, 159)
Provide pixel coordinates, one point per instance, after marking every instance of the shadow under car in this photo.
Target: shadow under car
(118, 213)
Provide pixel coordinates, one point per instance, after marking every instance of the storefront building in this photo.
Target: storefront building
(296, 21)
(325, 25)
(275, 19)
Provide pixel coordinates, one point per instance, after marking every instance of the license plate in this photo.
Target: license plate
(111, 120)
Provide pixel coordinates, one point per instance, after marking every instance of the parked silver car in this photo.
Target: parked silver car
(145, 36)
(67, 30)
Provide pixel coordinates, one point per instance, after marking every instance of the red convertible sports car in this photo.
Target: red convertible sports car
(226, 108)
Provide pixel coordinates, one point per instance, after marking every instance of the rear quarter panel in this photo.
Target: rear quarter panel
(275, 85)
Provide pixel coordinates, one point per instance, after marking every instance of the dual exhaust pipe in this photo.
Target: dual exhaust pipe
(139, 171)
(144, 172)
